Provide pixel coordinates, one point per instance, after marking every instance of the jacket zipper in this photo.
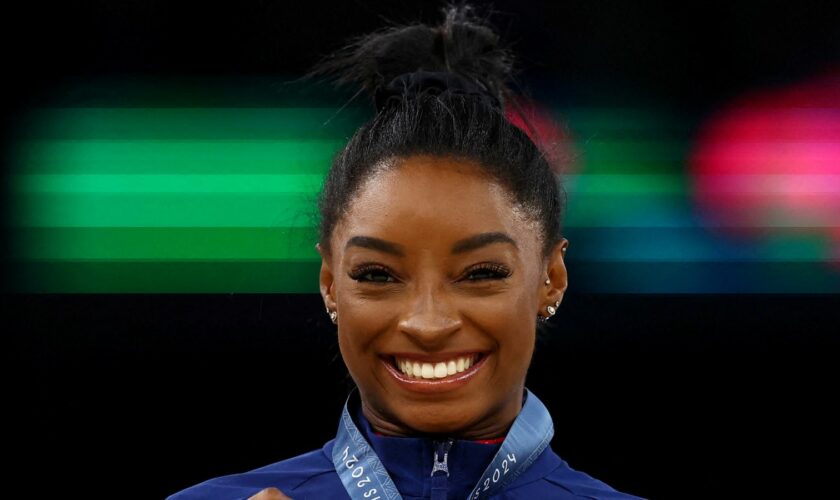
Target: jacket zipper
(440, 469)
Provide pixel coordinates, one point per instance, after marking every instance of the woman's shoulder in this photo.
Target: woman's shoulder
(312, 475)
(311, 471)
(552, 477)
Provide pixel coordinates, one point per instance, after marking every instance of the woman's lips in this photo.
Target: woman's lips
(431, 377)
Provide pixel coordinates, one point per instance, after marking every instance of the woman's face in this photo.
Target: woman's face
(419, 292)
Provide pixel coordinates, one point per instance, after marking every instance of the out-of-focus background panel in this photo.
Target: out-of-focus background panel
(162, 163)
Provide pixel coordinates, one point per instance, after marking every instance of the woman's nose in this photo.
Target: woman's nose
(430, 318)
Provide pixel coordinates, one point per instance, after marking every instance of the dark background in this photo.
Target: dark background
(683, 396)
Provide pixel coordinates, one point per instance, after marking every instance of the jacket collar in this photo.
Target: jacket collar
(409, 460)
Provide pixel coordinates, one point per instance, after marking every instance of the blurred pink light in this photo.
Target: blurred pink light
(769, 164)
(549, 134)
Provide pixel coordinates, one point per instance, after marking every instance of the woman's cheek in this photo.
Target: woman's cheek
(364, 313)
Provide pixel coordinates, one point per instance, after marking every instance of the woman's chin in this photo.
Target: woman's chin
(436, 420)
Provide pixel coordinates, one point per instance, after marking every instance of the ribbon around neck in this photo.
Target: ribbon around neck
(365, 478)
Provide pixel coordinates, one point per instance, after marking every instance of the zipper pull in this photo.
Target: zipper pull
(440, 486)
(441, 456)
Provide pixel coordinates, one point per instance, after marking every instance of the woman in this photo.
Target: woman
(441, 252)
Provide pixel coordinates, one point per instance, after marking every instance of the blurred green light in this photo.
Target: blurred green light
(223, 200)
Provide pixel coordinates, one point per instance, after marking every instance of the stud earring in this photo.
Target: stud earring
(333, 316)
(547, 282)
(552, 310)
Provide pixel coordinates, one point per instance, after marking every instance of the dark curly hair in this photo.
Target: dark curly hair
(445, 124)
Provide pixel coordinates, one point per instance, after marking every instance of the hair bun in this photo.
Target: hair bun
(434, 83)
(462, 55)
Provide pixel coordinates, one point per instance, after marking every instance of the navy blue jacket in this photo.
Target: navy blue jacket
(409, 462)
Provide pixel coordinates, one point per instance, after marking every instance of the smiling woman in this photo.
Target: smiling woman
(439, 272)
(441, 248)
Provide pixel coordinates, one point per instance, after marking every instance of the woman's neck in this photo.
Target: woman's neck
(490, 430)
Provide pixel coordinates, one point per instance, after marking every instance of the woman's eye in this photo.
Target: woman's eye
(381, 275)
(373, 275)
(484, 273)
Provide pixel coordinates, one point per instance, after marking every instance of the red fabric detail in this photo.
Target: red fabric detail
(490, 441)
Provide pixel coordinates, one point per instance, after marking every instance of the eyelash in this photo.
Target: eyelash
(497, 271)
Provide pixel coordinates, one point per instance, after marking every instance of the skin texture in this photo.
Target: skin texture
(430, 300)
(425, 302)
(269, 494)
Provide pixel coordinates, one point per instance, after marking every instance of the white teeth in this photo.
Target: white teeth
(440, 369)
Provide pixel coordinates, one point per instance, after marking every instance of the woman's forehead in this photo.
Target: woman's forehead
(432, 198)
(431, 184)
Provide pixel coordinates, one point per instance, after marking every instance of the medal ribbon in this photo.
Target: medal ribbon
(365, 478)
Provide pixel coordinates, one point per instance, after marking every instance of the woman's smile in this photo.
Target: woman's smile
(433, 374)
(437, 280)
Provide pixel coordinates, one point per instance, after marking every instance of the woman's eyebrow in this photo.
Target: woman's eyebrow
(460, 246)
(480, 240)
(375, 244)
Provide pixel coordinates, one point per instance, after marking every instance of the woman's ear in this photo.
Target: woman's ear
(556, 270)
(326, 279)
